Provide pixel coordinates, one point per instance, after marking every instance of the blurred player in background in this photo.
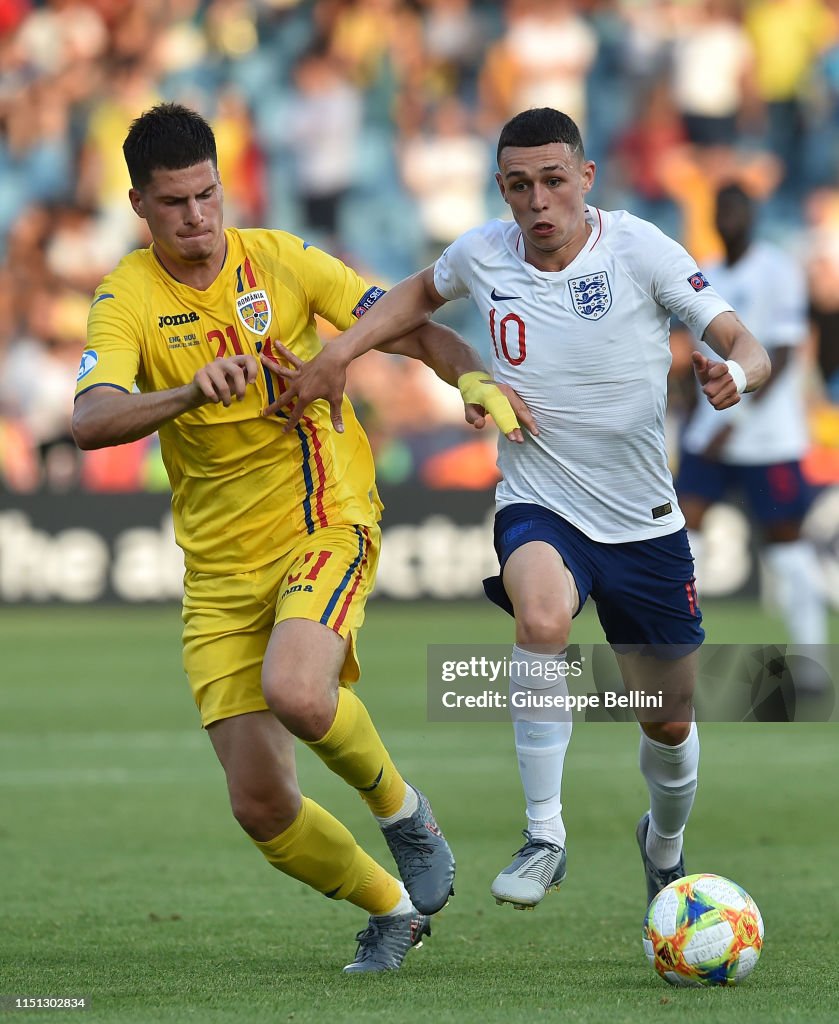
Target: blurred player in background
(757, 447)
(279, 530)
(577, 303)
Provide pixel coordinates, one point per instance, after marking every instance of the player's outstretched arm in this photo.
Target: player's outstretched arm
(403, 309)
(745, 365)
(457, 363)
(105, 416)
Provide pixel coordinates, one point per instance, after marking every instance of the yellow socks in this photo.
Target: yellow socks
(318, 850)
(353, 750)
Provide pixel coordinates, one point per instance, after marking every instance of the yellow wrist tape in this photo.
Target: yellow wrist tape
(478, 390)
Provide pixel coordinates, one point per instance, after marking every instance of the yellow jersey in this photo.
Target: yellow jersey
(242, 490)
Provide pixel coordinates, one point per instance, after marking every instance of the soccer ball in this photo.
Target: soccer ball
(703, 930)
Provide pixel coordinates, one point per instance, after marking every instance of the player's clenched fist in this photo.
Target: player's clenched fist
(224, 379)
(716, 380)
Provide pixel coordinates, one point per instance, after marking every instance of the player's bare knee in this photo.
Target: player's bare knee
(670, 733)
(280, 689)
(307, 711)
(309, 719)
(541, 627)
(265, 815)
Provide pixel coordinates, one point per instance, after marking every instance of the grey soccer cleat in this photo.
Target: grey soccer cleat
(657, 878)
(423, 857)
(385, 941)
(537, 867)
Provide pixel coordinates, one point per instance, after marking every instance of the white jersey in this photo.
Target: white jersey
(769, 292)
(588, 350)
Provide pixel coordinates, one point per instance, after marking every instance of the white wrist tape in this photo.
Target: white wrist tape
(738, 375)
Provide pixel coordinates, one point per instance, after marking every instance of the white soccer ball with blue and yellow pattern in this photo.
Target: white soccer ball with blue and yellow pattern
(703, 930)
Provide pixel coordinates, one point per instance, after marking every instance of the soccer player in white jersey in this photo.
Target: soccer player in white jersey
(756, 449)
(577, 304)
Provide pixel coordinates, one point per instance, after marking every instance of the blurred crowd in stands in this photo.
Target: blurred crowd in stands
(369, 127)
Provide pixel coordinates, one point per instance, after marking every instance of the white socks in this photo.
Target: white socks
(798, 585)
(799, 590)
(409, 805)
(670, 771)
(671, 774)
(404, 906)
(540, 746)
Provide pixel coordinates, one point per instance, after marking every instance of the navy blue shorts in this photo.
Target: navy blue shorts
(776, 493)
(644, 590)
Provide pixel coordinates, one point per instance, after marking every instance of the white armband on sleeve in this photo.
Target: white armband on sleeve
(738, 375)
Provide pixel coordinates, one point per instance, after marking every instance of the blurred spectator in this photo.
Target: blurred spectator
(823, 279)
(39, 380)
(444, 169)
(379, 44)
(756, 448)
(360, 37)
(78, 250)
(651, 26)
(713, 73)
(181, 50)
(692, 175)
(541, 60)
(230, 26)
(321, 130)
(103, 179)
(241, 161)
(454, 36)
(59, 34)
(26, 246)
(35, 152)
(641, 153)
(788, 36)
(135, 27)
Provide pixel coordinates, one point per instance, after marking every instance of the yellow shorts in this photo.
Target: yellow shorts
(327, 577)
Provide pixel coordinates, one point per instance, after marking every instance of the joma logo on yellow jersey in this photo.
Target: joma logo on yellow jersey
(177, 319)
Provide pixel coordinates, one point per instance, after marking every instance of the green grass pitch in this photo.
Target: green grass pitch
(124, 878)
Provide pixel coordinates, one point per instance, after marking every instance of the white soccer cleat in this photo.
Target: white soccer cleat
(536, 869)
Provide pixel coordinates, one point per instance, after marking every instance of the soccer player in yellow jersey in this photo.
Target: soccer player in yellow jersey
(279, 529)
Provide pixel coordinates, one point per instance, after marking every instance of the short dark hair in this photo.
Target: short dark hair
(540, 126)
(168, 136)
(733, 190)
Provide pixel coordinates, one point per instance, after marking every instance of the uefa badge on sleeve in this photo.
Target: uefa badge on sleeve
(254, 310)
(89, 360)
